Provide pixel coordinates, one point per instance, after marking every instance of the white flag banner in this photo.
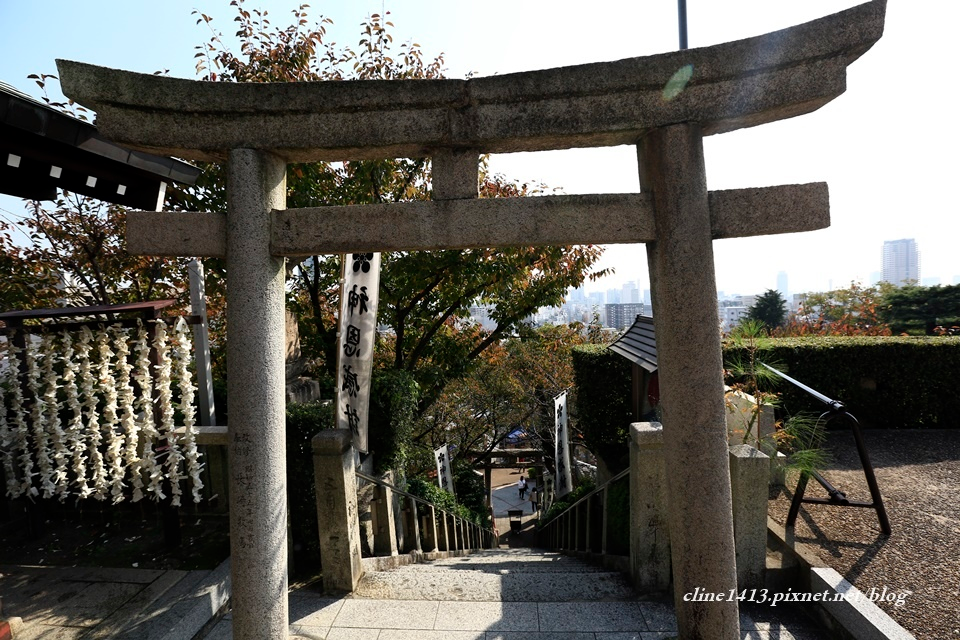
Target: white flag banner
(444, 469)
(564, 479)
(357, 330)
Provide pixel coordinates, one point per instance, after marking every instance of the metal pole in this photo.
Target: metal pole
(682, 18)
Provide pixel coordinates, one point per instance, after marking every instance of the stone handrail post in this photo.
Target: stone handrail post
(649, 533)
(749, 476)
(429, 522)
(384, 522)
(333, 466)
(414, 524)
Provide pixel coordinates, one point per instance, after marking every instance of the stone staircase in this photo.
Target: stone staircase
(527, 591)
(502, 594)
(498, 575)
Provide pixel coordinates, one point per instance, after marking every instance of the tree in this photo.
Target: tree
(842, 312)
(75, 255)
(511, 388)
(922, 310)
(770, 309)
(424, 295)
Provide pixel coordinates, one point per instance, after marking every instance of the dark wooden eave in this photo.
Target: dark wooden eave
(638, 344)
(42, 149)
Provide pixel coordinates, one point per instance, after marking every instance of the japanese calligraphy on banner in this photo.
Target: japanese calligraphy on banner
(444, 469)
(358, 327)
(564, 479)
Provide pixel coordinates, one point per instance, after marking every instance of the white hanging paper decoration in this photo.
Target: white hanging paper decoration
(182, 355)
(129, 431)
(38, 415)
(21, 430)
(144, 407)
(74, 434)
(165, 400)
(113, 459)
(55, 482)
(8, 453)
(92, 406)
(91, 431)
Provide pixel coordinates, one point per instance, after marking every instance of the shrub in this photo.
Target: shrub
(394, 396)
(562, 504)
(888, 382)
(428, 490)
(603, 381)
(303, 422)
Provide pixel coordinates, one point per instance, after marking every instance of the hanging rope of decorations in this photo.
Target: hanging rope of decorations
(85, 414)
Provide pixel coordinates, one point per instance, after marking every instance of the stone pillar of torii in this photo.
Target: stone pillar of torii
(663, 104)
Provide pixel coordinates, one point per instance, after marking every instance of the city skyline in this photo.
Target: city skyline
(882, 186)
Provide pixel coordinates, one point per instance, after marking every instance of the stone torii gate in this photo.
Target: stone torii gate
(663, 104)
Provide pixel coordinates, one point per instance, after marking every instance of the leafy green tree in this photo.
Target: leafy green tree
(425, 296)
(842, 312)
(770, 309)
(512, 387)
(922, 310)
(75, 255)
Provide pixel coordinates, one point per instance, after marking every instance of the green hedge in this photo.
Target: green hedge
(393, 406)
(603, 395)
(431, 492)
(885, 382)
(303, 422)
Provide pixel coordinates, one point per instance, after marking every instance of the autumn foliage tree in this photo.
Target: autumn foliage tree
(843, 312)
(424, 295)
(511, 388)
(75, 255)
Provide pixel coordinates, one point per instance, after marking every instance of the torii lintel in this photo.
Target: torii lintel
(733, 85)
(476, 223)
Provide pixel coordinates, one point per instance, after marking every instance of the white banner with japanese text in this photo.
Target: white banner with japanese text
(564, 479)
(444, 468)
(357, 332)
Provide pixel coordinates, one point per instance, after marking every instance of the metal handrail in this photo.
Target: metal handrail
(623, 473)
(837, 497)
(384, 483)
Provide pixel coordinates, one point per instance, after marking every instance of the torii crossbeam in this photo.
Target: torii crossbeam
(664, 104)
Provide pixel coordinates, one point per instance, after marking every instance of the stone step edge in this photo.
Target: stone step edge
(843, 605)
(377, 564)
(186, 616)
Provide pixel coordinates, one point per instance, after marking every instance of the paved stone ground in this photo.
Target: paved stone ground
(62, 603)
(919, 476)
(505, 496)
(530, 595)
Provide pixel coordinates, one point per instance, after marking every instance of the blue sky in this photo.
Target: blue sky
(887, 147)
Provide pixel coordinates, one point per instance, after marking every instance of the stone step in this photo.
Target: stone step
(498, 576)
(485, 587)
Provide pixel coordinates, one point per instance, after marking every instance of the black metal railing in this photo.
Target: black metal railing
(836, 496)
(584, 525)
(423, 526)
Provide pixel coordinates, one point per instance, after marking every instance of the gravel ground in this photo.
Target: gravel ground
(919, 476)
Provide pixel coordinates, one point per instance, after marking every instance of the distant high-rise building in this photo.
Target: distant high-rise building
(901, 262)
(629, 293)
(931, 282)
(621, 316)
(782, 284)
